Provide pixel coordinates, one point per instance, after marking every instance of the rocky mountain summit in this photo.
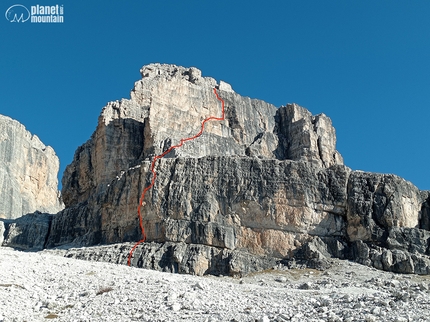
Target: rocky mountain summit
(266, 186)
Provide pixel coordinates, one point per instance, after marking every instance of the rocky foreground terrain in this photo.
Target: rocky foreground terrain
(43, 286)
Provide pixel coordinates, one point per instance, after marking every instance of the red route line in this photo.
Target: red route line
(154, 174)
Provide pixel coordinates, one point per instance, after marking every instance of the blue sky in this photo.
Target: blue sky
(365, 64)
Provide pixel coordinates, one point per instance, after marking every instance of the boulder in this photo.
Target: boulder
(28, 232)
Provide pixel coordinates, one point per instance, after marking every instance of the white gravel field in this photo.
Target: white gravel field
(45, 286)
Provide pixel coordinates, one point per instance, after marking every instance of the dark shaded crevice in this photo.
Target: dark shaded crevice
(424, 220)
(280, 130)
(48, 233)
(320, 151)
(248, 151)
(233, 123)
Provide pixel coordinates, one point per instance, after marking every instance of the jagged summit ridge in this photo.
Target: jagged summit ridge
(151, 74)
(192, 74)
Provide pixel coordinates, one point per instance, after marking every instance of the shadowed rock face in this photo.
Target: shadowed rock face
(264, 185)
(28, 172)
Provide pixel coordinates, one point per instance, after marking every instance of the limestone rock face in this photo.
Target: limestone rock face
(234, 187)
(262, 187)
(262, 205)
(306, 137)
(28, 172)
(168, 104)
(378, 202)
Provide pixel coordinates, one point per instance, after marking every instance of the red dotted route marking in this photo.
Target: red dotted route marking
(154, 174)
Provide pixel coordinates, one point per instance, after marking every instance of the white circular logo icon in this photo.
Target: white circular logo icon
(17, 13)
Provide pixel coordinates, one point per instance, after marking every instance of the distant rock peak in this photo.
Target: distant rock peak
(28, 172)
